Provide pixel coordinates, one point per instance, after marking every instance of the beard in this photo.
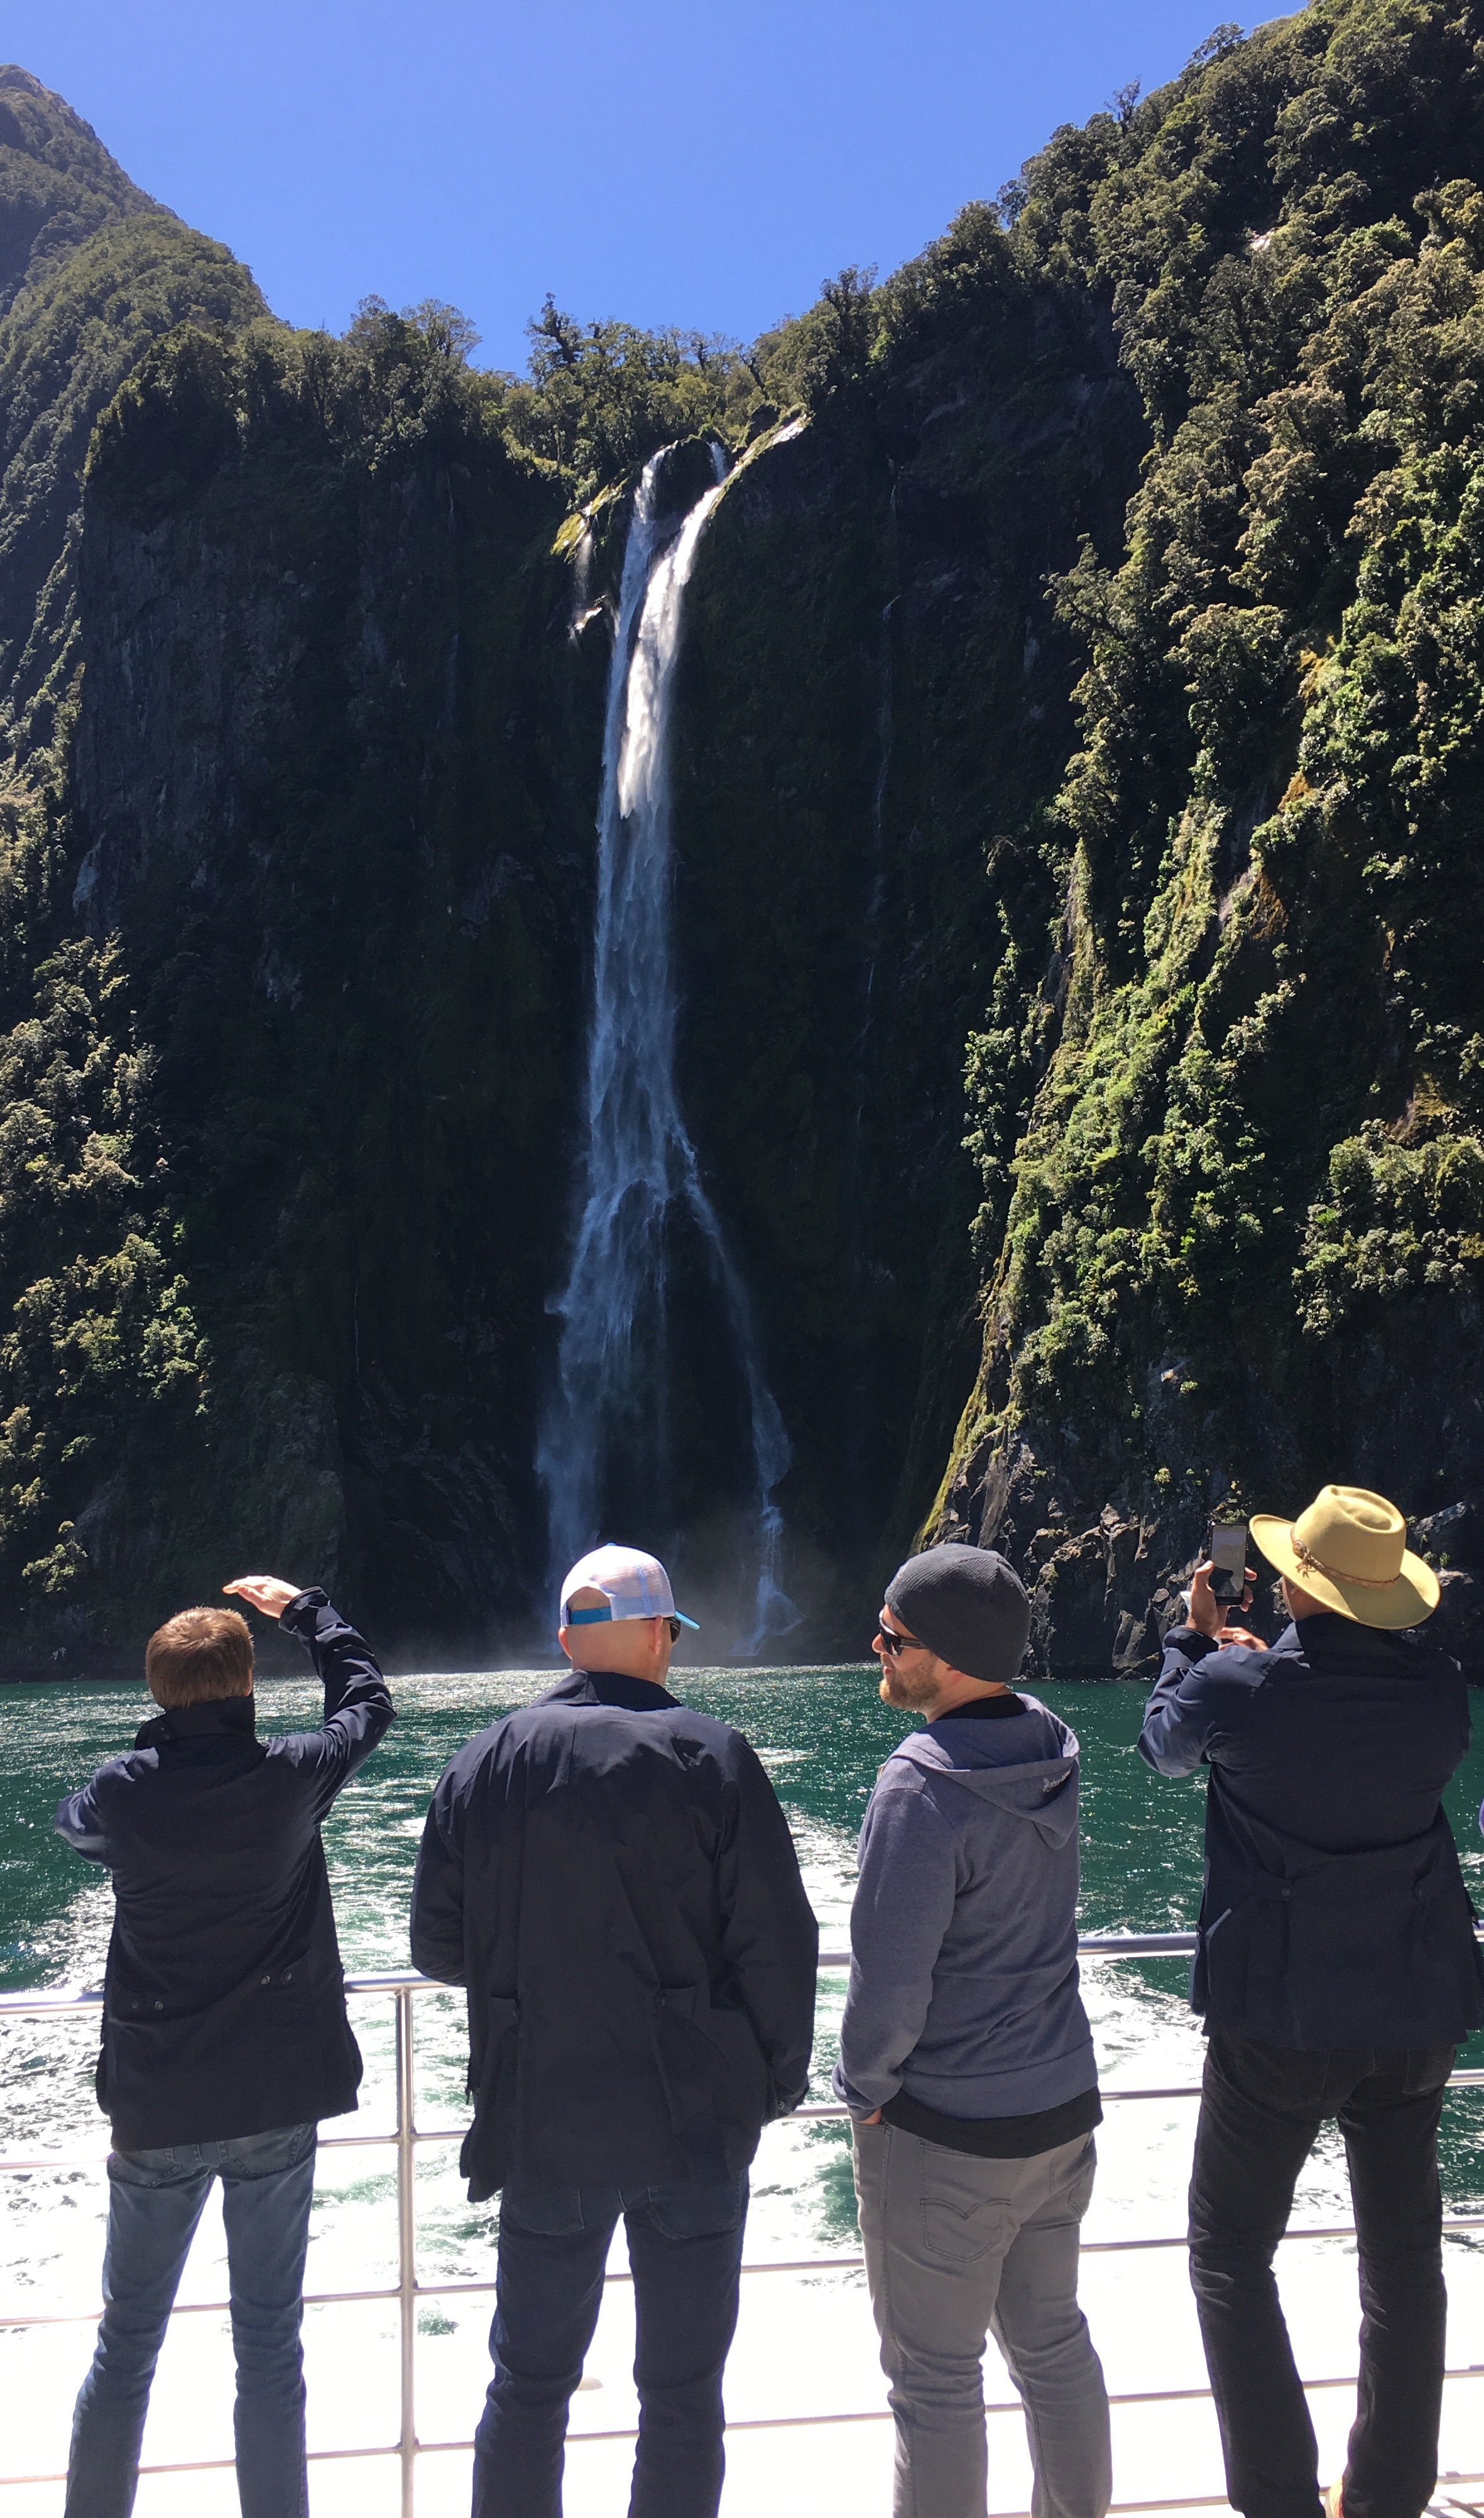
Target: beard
(910, 1689)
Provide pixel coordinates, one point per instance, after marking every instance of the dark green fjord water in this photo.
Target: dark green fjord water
(822, 1733)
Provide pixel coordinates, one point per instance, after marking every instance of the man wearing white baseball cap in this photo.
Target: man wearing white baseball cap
(610, 1876)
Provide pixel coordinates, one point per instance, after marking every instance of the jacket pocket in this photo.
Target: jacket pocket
(1229, 1949)
(485, 2154)
(710, 2062)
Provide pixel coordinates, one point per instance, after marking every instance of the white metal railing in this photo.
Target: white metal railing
(407, 2137)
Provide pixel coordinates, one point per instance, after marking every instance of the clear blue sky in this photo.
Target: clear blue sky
(667, 163)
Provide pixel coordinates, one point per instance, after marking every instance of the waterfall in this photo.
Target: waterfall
(642, 1176)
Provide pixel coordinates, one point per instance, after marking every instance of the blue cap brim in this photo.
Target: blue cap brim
(600, 1616)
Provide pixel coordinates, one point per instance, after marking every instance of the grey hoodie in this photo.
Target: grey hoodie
(963, 1935)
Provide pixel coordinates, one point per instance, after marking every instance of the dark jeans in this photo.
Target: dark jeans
(155, 2202)
(1262, 2108)
(686, 2251)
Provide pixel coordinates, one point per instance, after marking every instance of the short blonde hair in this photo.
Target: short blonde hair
(199, 1657)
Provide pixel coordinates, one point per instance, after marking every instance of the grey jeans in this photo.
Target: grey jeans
(958, 2248)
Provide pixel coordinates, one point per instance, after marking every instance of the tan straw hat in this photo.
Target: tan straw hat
(1350, 1551)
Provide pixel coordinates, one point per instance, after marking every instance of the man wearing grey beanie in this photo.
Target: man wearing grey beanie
(965, 2055)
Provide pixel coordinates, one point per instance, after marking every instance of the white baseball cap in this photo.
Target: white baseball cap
(633, 1586)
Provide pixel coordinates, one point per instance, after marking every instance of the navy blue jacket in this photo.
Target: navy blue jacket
(1333, 1912)
(611, 1878)
(224, 2002)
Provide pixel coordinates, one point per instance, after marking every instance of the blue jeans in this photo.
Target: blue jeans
(685, 2253)
(155, 2202)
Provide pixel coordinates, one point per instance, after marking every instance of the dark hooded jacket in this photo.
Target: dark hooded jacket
(964, 1983)
(610, 1876)
(224, 2000)
(1332, 1911)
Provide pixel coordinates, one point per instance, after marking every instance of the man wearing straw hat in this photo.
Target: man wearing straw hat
(1338, 1970)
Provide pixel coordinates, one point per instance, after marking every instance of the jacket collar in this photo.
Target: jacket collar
(611, 1687)
(233, 1714)
(1326, 1638)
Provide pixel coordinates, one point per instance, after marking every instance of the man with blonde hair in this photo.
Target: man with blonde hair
(225, 2037)
(1337, 1971)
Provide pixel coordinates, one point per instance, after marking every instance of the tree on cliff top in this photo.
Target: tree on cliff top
(599, 398)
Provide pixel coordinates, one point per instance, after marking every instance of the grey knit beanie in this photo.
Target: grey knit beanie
(968, 1604)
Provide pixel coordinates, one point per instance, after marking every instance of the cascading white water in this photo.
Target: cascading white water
(640, 1165)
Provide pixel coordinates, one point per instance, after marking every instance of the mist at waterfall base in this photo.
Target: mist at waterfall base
(660, 1429)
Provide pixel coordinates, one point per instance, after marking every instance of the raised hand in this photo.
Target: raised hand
(1206, 1613)
(1209, 1615)
(265, 1592)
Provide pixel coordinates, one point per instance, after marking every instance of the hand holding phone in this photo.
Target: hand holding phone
(1221, 1584)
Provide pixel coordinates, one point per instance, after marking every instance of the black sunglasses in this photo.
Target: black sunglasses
(895, 1643)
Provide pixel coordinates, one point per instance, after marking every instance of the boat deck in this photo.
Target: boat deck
(397, 2360)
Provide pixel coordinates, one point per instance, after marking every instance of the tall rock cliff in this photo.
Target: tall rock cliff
(328, 819)
(1237, 1248)
(875, 709)
(1077, 821)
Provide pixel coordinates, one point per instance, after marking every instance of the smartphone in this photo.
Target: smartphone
(1227, 1547)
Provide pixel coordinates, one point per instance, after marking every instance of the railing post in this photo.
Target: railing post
(407, 2245)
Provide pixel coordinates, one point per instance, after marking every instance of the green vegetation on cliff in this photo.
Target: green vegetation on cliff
(100, 1346)
(337, 921)
(224, 1194)
(1077, 754)
(57, 186)
(600, 398)
(91, 272)
(1238, 1242)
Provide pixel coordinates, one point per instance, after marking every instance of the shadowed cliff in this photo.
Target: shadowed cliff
(1076, 815)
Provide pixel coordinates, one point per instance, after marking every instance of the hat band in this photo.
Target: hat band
(1362, 1581)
